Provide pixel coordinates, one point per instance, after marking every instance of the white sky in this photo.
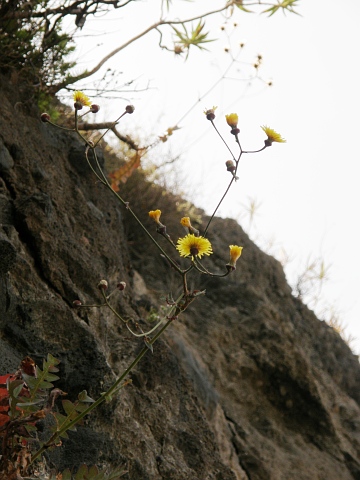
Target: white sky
(308, 187)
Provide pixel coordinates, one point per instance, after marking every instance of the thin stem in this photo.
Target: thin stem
(147, 333)
(218, 205)
(222, 138)
(255, 151)
(112, 308)
(105, 182)
(110, 128)
(91, 167)
(206, 272)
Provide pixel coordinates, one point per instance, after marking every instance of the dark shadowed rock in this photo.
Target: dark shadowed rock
(247, 385)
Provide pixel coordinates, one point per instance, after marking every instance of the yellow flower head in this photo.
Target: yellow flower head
(185, 222)
(273, 136)
(81, 98)
(155, 215)
(194, 246)
(232, 120)
(235, 253)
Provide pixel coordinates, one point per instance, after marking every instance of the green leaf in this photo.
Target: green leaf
(117, 473)
(84, 397)
(17, 390)
(80, 407)
(66, 474)
(68, 406)
(25, 403)
(80, 474)
(243, 8)
(93, 471)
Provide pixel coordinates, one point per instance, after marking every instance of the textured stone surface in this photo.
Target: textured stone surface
(247, 385)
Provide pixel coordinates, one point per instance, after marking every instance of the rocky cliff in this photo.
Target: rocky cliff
(247, 384)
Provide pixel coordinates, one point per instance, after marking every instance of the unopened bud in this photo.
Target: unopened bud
(230, 166)
(121, 286)
(94, 108)
(178, 49)
(45, 117)
(129, 109)
(77, 303)
(210, 113)
(103, 285)
(161, 229)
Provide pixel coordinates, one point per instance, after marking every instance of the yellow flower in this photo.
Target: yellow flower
(155, 215)
(273, 136)
(194, 246)
(232, 120)
(235, 253)
(81, 98)
(185, 222)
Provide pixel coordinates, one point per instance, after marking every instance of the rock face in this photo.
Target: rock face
(247, 384)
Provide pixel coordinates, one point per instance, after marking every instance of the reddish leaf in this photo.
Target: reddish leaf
(3, 378)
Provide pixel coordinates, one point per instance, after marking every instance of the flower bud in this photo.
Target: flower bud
(235, 254)
(121, 286)
(178, 49)
(210, 113)
(45, 117)
(129, 109)
(103, 285)
(230, 166)
(94, 108)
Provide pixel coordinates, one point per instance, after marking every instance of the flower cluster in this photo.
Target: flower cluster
(194, 245)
